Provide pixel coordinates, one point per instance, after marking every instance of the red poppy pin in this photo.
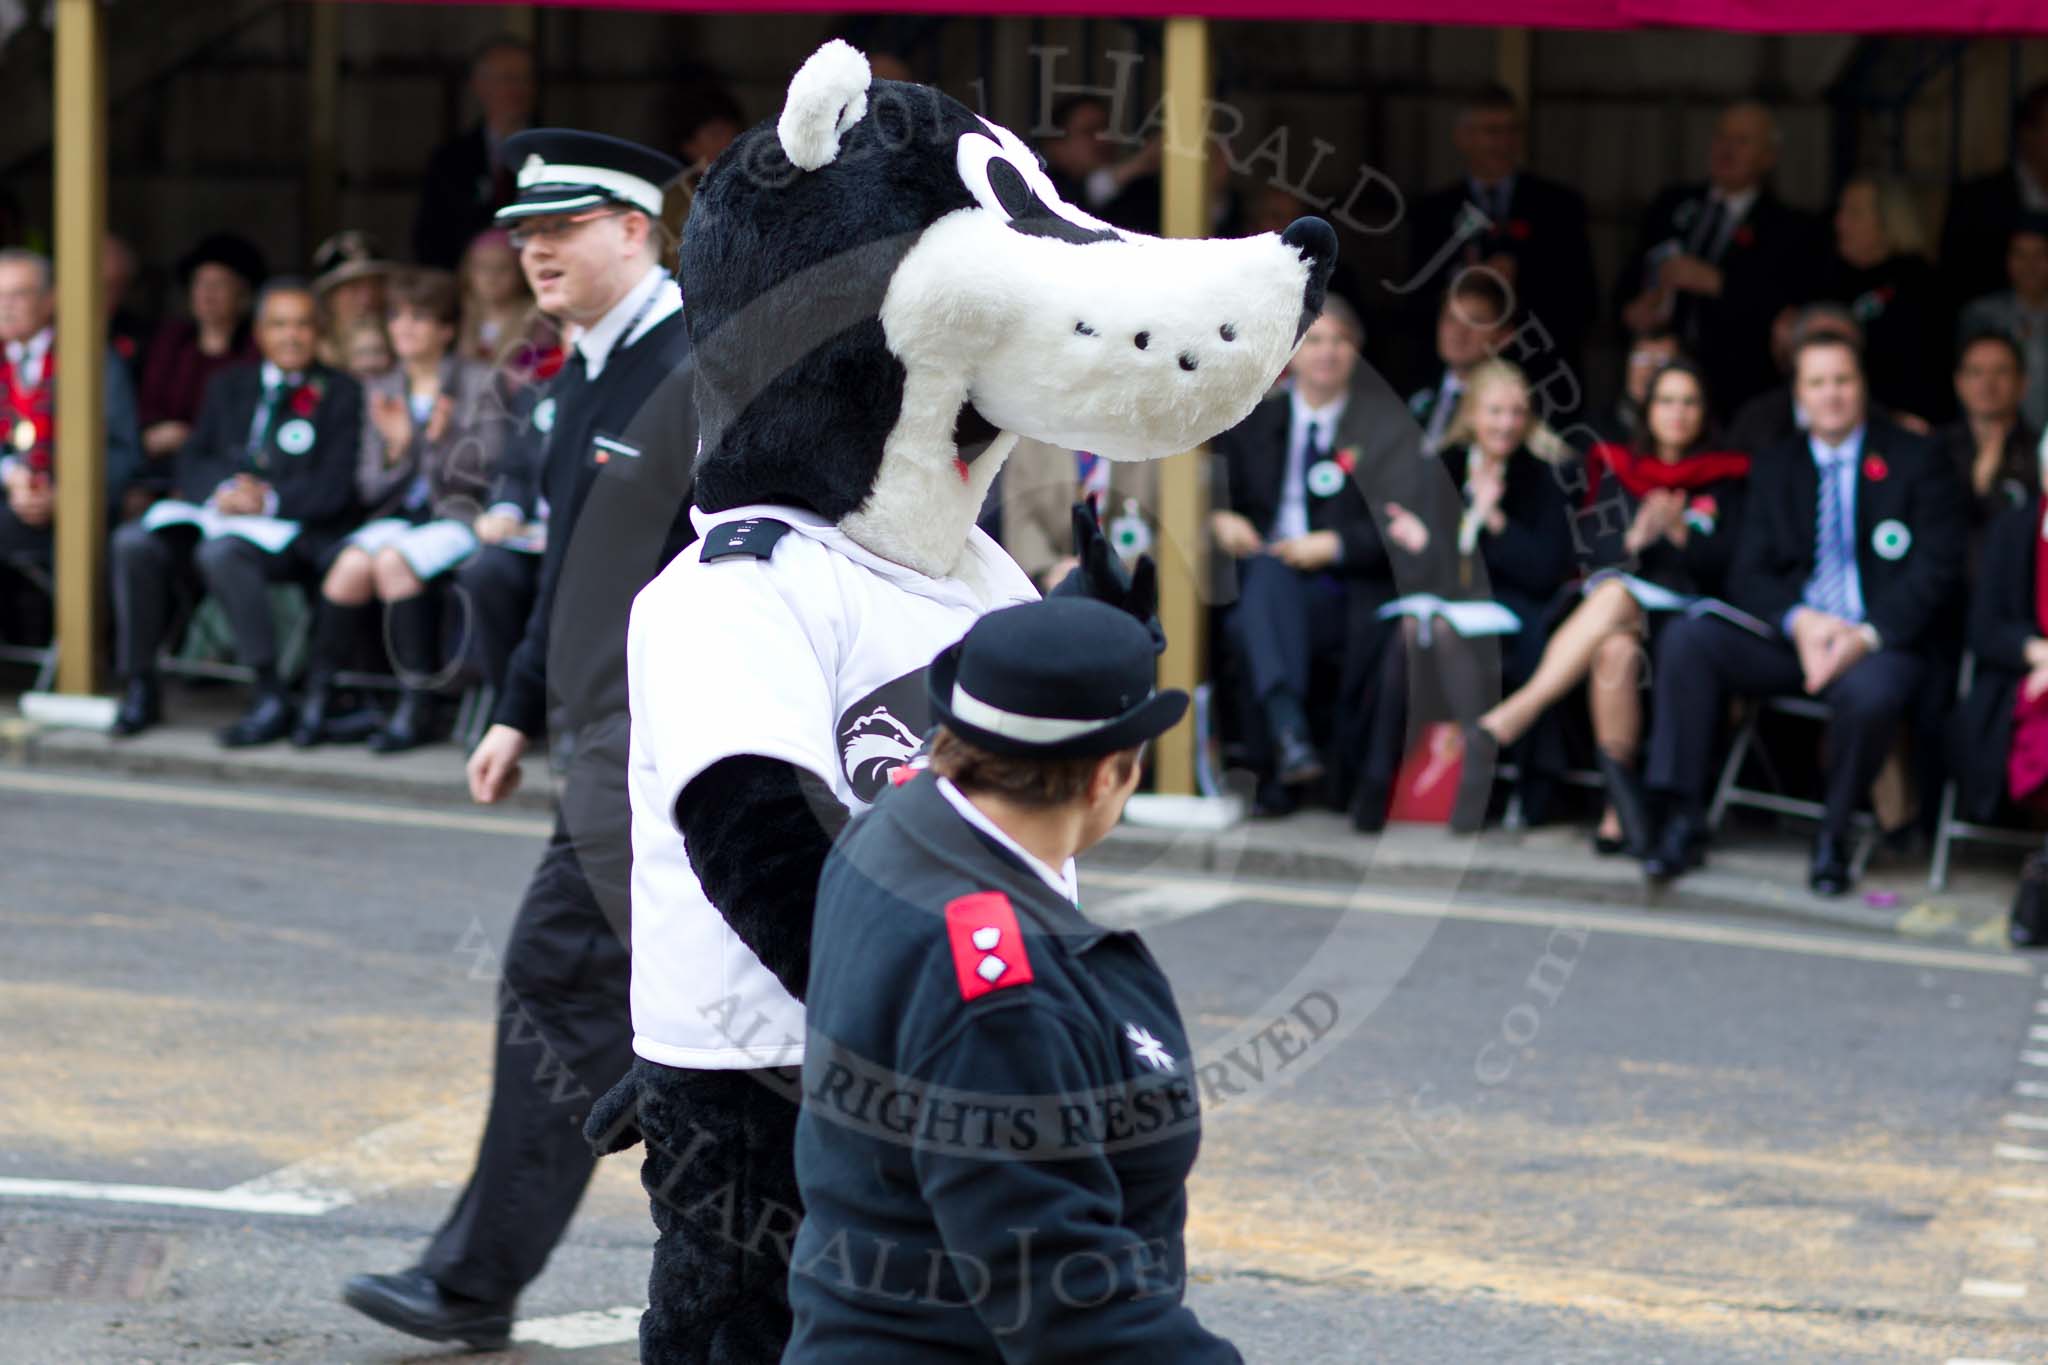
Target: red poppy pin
(1744, 236)
(545, 364)
(1347, 459)
(1518, 228)
(305, 399)
(1875, 469)
(1705, 506)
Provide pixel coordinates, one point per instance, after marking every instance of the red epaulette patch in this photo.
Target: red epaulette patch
(988, 947)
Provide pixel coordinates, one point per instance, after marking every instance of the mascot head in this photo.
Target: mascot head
(884, 291)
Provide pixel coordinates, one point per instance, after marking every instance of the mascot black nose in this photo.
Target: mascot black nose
(1316, 241)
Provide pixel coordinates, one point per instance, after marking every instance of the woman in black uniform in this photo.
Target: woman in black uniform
(999, 1111)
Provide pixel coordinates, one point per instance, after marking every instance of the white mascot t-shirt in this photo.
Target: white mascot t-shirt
(814, 656)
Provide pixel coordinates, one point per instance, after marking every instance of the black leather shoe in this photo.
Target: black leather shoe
(1678, 850)
(268, 719)
(1607, 846)
(410, 726)
(412, 1303)
(1475, 780)
(310, 728)
(1369, 807)
(1299, 762)
(141, 707)
(1274, 799)
(1829, 873)
(1631, 806)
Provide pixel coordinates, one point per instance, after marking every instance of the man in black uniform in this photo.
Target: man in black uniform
(999, 1112)
(620, 433)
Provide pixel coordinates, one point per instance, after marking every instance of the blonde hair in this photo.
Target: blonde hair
(1541, 441)
(1898, 214)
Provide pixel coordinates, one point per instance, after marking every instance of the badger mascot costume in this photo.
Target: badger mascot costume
(884, 293)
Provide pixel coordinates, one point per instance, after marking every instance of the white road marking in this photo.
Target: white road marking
(1976, 1360)
(2041, 1007)
(2031, 1090)
(2006, 1151)
(2011, 1241)
(1161, 904)
(2035, 1058)
(2036, 1123)
(1612, 922)
(2032, 1194)
(2039, 1033)
(574, 1331)
(215, 798)
(1993, 1289)
(303, 1205)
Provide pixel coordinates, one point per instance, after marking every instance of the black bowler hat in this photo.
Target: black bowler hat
(561, 170)
(1069, 677)
(238, 254)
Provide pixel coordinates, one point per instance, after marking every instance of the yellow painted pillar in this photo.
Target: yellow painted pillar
(81, 455)
(1183, 515)
(1514, 63)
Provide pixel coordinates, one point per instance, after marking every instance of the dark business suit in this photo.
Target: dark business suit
(2003, 620)
(1767, 262)
(461, 192)
(498, 583)
(1903, 482)
(1543, 230)
(1975, 232)
(315, 487)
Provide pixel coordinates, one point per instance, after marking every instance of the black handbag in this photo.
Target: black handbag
(2029, 925)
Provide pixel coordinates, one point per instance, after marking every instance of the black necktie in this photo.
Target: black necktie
(1708, 238)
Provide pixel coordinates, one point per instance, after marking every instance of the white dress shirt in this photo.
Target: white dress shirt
(1291, 518)
(603, 336)
(29, 357)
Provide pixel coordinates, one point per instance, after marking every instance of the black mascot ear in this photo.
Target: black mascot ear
(827, 96)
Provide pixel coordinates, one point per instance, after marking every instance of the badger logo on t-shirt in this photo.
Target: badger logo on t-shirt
(881, 732)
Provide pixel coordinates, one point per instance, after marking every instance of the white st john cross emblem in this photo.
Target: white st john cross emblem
(1150, 1050)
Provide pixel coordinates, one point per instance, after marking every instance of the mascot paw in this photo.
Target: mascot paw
(614, 1122)
(1100, 574)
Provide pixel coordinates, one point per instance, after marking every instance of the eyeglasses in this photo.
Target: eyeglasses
(553, 226)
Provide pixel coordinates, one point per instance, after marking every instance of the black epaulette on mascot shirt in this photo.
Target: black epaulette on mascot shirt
(753, 538)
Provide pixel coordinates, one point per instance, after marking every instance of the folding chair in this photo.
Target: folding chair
(42, 657)
(1730, 791)
(1948, 827)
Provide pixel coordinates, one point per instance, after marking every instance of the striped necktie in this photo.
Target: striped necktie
(1833, 544)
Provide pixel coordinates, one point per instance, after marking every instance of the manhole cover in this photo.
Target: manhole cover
(82, 1263)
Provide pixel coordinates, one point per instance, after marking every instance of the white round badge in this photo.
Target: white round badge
(1891, 539)
(1129, 536)
(544, 416)
(295, 437)
(1326, 478)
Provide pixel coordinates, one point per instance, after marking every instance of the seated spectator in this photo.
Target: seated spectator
(1771, 418)
(1647, 357)
(1082, 159)
(1982, 213)
(1994, 450)
(367, 351)
(267, 483)
(465, 183)
(430, 447)
(1529, 230)
(2001, 753)
(708, 122)
(1718, 261)
(1658, 525)
(128, 330)
(31, 457)
(1505, 536)
(349, 270)
(2021, 312)
(220, 276)
(497, 307)
(1471, 326)
(497, 585)
(1880, 271)
(1291, 512)
(1041, 484)
(1849, 555)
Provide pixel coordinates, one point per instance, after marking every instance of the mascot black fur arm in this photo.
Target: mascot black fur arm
(884, 292)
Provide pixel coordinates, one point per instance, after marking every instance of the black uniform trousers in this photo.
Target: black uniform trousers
(1700, 661)
(496, 587)
(148, 567)
(564, 1036)
(1283, 622)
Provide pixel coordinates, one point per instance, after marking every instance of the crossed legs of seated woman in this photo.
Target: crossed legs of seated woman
(357, 582)
(1601, 644)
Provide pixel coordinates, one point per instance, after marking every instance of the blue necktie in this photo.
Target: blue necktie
(1829, 591)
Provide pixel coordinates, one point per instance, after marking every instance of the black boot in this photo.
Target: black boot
(1631, 806)
(311, 726)
(335, 632)
(411, 625)
(1679, 847)
(268, 719)
(141, 706)
(410, 726)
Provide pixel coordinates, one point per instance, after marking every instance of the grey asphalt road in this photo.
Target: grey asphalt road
(1478, 1131)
